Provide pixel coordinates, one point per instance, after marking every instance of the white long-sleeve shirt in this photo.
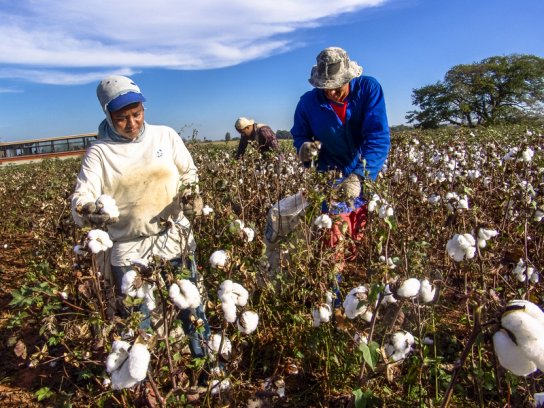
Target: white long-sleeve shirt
(144, 177)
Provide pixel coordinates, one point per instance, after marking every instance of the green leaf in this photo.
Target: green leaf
(44, 393)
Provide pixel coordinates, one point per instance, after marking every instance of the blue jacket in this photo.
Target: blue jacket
(364, 136)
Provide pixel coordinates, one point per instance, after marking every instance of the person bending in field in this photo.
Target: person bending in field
(250, 131)
(151, 175)
(342, 125)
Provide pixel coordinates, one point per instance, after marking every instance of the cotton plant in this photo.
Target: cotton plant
(399, 346)
(525, 273)
(184, 294)
(354, 304)
(323, 222)
(98, 241)
(519, 342)
(219, 259)
(461, 246)
(126, 364)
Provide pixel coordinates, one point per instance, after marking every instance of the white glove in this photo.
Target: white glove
(308, 151)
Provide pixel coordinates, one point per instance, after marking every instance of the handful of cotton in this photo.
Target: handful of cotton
(519, 343)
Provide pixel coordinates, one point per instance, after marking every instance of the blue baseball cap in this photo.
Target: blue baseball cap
(125, 99)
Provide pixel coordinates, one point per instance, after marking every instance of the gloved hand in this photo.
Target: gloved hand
(350, 188)
(89, 214)
(308, 151)
(192, 205)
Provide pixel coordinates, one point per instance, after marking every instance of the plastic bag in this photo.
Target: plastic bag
(284, 216)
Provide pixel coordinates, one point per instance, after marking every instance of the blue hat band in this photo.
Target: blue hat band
(123, 100)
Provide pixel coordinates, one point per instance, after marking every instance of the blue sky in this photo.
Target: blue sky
(203, 64)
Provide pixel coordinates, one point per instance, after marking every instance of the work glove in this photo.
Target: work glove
(192, 205)
(308, 151)
(350, 188)
(91, 216)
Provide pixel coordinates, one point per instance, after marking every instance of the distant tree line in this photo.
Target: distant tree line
(499, 89)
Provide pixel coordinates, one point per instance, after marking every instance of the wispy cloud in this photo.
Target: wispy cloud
(10, 90)
(54, 41)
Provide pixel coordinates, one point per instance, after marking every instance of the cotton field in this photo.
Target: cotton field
(439, 304)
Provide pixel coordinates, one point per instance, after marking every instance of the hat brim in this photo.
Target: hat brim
(353, 71)
(124, 100)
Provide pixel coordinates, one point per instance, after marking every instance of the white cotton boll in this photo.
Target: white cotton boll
(219, 386)
(127, 283)
(434, 199)
(409, 288)
(487, 234)
(527, 155)
(352, 300)
(225, 287)
(121, 377)
(461, 246)
(98, 241)
(325, 312)
(367, 315)
(248, 233)
(184, 294)
(385, 211)
(388, 296)
(463, 203)
(529, 334)
(138, 361)
(215, 341)
(473, 174)
(530, 308)
(538, 216)
(510, 355)
(323, 221)
(426, 291)
(241, 293)
(219, 259)
(207, 210)
(359, 338)
(329, 296)
(237, 224)
(148, 296)
(229, 311)
(248, 321)
(118, 355)
(413, 178)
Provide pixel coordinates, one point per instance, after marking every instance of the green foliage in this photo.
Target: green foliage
(499, 89)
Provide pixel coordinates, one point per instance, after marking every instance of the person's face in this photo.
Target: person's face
(246, 131)
(128, 121)
(337, 94)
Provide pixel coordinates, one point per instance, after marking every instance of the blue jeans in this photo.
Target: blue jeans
(196, 338)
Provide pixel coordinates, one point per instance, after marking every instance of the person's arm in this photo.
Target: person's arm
(242, 147)
(375, 129)
(301, 129)
(88, 185)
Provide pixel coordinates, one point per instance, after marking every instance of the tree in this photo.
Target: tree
(227, 137)
(499, 89)
(283, 134)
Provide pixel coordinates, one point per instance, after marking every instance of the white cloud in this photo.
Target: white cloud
(173, 34)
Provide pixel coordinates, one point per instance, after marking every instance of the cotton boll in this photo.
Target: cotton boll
(248, 233)
(487, 234)
(98, 241)
(184, 294)
(229, 311)
(219, 259)
(529, 334)
(219, 386)
(121, 377)
(426, 291)
(241, 293)
(118, 355)
(323, 221)
(207, 210)
(409, 288)
(510, 356)
(127, 283)
(215, 341)
(388, 296)
(138, 361)
(352, 300)
(248, 321)
(528, 307)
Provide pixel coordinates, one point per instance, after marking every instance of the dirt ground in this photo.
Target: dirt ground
(17, 380)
